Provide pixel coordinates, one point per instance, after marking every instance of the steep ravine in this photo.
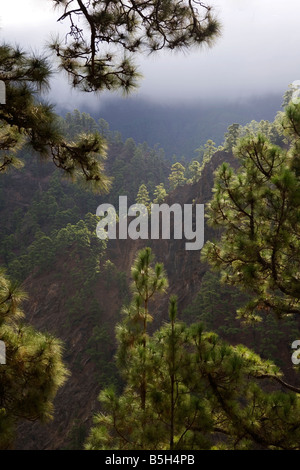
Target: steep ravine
(46, 309)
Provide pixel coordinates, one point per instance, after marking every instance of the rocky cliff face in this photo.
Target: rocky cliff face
(76, 402)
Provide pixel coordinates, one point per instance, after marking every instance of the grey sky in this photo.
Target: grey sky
(257, 53)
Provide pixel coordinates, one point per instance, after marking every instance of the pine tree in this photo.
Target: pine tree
(143, 196)
(147, 281)
(258, 208)
(160, 194)
(195, 169)
(175, 407)
(24, 118)
(209, 149)
(90, 57)
(186, 389)
(291, 92)
(177, 177)
(33, 371)
(231, 137)
(128, 420)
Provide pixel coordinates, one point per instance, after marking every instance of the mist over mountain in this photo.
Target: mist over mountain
(180, 128)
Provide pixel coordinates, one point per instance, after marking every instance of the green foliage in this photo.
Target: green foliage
(231, 137)
(76, 123)
(159, 194)
(209, 149)
(77, 436)
(11, 142)
(177, 177)
(292, 88)
(215, 307)
(148, 280)
(143, 196)
(114, 277)
(79, 241)
(133, 28)
(183, 130)
(83, 159)
(99, 349)
(24, 119)
(258, 208)
(195, 168)
(131, 165)
(194, 171)
(185, 389)
(34, 370)
(271, 130)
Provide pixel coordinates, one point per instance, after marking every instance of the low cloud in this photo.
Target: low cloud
(256, 54)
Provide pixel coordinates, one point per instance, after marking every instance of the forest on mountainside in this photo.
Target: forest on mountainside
(50, 239)
(181, 128)
(138, 343)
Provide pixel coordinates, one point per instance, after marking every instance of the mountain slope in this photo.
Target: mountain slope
(47, 309)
